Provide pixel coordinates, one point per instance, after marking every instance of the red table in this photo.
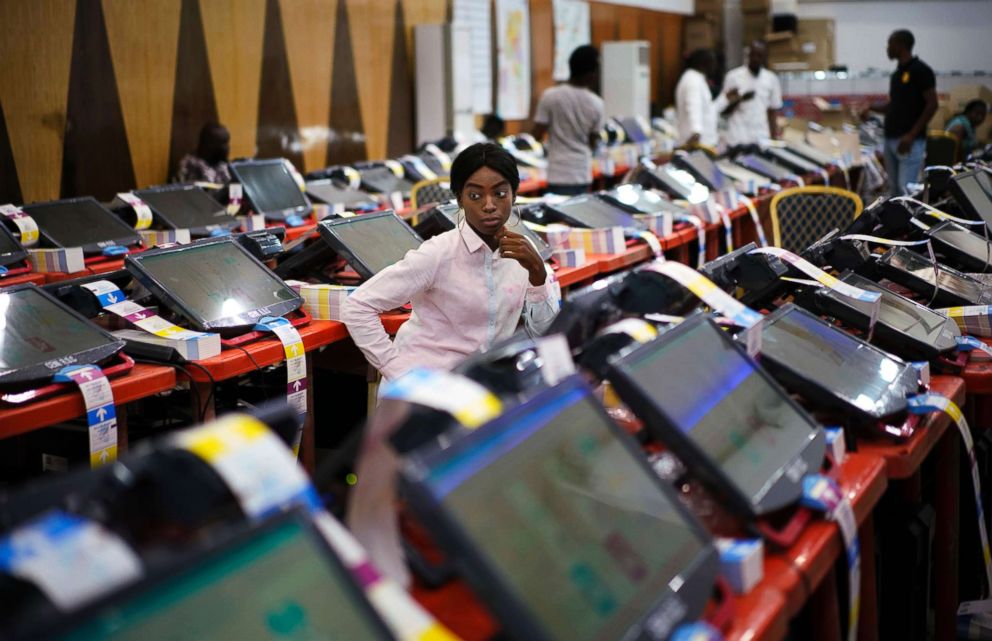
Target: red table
(101, 267)
(21, 279)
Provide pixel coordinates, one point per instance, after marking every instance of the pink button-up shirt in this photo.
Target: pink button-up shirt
(465, 297)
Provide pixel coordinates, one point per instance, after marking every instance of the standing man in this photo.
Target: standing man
(753, 96)
(573, 115)
(694, 105)
(912, 103)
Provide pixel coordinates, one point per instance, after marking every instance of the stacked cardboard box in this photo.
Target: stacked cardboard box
(810, 48)
(754, 20)
(704, 30)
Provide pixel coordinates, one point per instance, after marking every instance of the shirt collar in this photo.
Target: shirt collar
(473, 242)
(909, 62)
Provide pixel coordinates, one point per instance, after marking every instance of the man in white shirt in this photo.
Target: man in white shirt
(694, 106)
(572, 115)
(753, 96)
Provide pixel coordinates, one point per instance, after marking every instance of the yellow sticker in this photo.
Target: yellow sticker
(905, 77)
(104, 456)
(437, 632)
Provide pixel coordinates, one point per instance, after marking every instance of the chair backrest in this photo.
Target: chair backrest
(942, 148)
(803, 215)
(437, 190)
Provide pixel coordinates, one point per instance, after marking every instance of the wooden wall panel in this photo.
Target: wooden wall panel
(603, 21)
(421, 12)
(143, 41)
(10, 187)
(193, 103)
(542, 49)
(372, 45)
(34, 86)
(278, 135)
(671, 56)
(628, 22)
(309, 27)
(347, 136)
(234, 29)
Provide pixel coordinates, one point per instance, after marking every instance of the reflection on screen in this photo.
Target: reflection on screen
(795, 159)
(976, 195)
(706, 168)
(920, 267)
(965, 241)
(594, 213)
(633, 129)
(278, 586)
(646, 201)
(856, 373)
(376, 241)
(717, 398)
(764, 167)
(187, 207)
(82, 222)
(34, 330)
(553, 498)
(270, 186)
(216, 281)
(902, 314)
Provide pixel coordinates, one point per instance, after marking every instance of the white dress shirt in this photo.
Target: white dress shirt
(694, 108)
(465, 297)
(748, 124)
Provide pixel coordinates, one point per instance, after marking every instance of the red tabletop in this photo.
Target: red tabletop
(568, 276)
(759, 615)
(101, 267)
(142, 381)
(21, 279)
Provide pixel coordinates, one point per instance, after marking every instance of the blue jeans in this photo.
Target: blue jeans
(903, 168)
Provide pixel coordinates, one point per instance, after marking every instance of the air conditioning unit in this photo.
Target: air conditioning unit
(626, 78)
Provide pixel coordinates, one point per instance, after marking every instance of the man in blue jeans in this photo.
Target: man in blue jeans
(912, 103)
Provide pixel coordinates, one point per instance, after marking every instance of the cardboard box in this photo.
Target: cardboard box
(698, 33)
(811, 47)
(756, 5)
(754, 25)
(709, 7)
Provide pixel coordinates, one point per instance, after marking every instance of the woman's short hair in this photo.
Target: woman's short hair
(479, 155)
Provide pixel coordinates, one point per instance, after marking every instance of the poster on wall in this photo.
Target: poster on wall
(513, 59)
(571, 31)
(477, 16)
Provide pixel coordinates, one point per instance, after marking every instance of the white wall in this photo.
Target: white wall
(951, 35)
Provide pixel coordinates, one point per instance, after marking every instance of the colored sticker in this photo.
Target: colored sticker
(296, 368)
(101, 415)
(970, 343)
(234, 196)
(26, 225)
(936, 213)
(696, 222)
(717, 299)
(140, 208)
(753, 212)
(260, 471)
(639, 330)
(470, 403)
(927, 403)
(113, 300)
(556, 358)
(823, 494)
(72, 560)
(653, 243)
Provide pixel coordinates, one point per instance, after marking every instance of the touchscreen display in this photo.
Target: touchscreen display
(279, 585)
(187, 207)
(857, 373)
(34, 330)
(633, 129)
(567, 507)
(376, 241)
(382, 180)
(902, 314)
(80, 222)
(764, 167)
(645, 201)
(270, 186)
(920, 267)
(967, 242)
(793, 159)
(216, 280)
(977, 196)
(705, 167)
(717, 398)
(594, 213)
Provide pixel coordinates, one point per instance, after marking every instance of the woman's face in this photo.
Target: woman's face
(977, 116)
(487, 200)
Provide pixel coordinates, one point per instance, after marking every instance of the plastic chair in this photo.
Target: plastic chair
(437, 190)
(942, 148)
(802, 215)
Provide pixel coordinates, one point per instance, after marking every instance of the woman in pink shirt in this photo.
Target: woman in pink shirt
(469, 286)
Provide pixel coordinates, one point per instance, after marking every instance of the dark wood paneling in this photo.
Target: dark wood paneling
(278, 135)
(10, 187)
(96, 159)
(400, 132)
(628, 22)
(604, 22)
(193, 103)
(542, 49)
(347, 137)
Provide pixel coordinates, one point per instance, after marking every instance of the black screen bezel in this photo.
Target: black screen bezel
(247, 319)
(944, 298)
(18, 254)
(965, 203)
(624, 219)
(329, 233)
(403, 185)
(632, 391)
(129, 239)
(91, 356)
(698, 577)
(164, 219)
(279, 215)
(764, 167)
(190, 561)
(968, 261)
(818, 393)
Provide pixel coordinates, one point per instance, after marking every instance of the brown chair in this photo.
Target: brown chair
(802, 215)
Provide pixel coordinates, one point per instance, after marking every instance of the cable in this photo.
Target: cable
(193, 391)
(213, 386)
(258, 368)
